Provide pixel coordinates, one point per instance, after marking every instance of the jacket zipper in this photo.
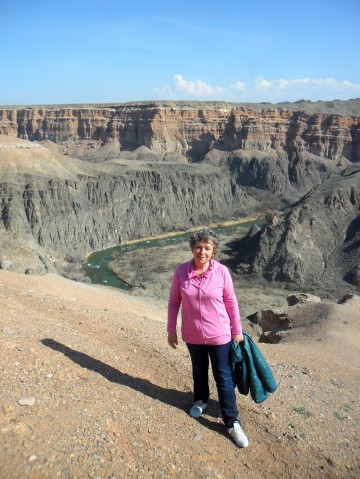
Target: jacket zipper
(200, 307)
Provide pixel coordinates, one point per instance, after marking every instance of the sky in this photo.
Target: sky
(115, 51)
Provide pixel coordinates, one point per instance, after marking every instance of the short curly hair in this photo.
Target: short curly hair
(207, 235)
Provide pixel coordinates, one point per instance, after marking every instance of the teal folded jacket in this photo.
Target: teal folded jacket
(250, 370)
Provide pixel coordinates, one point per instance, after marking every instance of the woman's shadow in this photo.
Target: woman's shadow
(179, 399)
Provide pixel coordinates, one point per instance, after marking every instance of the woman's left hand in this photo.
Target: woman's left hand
(239, 338)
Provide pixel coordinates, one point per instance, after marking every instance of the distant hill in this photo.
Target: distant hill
(340, 107)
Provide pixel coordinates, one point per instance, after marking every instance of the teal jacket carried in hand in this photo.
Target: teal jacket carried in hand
(250, 370)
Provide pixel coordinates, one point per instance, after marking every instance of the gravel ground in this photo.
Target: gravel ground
(90, 389)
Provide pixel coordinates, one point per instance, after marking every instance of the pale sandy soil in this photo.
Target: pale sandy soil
(112, 399)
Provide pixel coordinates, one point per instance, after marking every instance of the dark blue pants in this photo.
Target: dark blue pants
(220, 362)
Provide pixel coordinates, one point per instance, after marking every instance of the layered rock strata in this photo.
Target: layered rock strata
(52, 206)
(188, 130)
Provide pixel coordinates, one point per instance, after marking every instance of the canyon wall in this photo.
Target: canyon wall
(315, 245)
(53, 207)
(189, 130)
(196, 164)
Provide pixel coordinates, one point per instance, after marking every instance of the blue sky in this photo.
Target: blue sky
(108, 51)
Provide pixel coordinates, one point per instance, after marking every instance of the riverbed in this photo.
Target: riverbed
(145, 267)
(99, 267)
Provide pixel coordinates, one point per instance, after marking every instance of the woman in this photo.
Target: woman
(210, 319)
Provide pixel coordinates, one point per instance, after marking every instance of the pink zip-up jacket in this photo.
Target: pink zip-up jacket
(209, 309)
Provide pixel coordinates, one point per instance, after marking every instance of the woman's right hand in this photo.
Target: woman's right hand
(239, 338)
(172, 340)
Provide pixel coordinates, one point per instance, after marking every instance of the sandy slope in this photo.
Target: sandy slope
(111, 398)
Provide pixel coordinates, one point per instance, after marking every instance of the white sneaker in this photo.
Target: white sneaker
(238, 435)
(197, 409)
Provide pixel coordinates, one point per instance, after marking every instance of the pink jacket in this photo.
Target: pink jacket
(209, 309)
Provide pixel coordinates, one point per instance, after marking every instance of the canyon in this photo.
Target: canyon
(177, 130)
(76, 179)
(89, 388)
(53, 206)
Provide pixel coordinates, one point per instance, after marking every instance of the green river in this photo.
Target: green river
(97, 266)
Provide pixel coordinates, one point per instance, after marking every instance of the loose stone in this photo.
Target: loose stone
(30, 401)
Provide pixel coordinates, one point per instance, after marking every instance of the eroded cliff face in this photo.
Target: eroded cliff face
(195, 162)
(315, 245)
(187, 130)
(53, 207)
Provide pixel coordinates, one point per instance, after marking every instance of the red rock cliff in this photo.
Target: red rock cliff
(190, 130)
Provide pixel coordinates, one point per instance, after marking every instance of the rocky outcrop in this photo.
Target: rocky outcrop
(315, 244)
(185, 129)
(283, 324)
(306, 317)
(301, 298)
(52, 206)
(273, 172)
(352, 299)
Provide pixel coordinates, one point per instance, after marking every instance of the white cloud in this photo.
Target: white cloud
(349, 84)
(196, 88)
(238, 86)
(262, 83)
(259, 90)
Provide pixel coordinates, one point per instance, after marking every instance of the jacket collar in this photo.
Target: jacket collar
(191, 271)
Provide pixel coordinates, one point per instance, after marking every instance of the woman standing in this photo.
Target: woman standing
(210, 320)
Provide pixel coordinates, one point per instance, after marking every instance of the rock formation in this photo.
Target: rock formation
(315, 244)
(297, 320)
(156, 167)
(274, 171)
(286, 152)
(185, 129)
(53, 207)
